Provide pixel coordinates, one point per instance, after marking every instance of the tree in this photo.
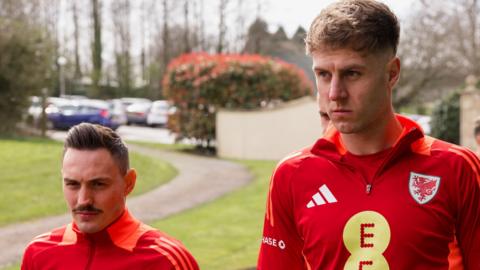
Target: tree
(465, 18)
(48, 16)
(446, 119)
(240, 26)
(96, 49)
(257, 37)
(222, 28)
(201, 26)
(438, 48)
(280, 35)
(121, 8)
(76, 37)
(26, 56)
(165, 35)
(299, 36)
(186, 35)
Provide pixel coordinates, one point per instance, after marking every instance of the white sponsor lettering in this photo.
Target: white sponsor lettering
(273, 242)
(281, 244)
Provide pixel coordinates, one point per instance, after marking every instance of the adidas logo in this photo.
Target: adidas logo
(324, 196)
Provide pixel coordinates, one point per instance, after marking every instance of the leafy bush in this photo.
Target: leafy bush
(199, 84)
(23, 67)
(446, 119)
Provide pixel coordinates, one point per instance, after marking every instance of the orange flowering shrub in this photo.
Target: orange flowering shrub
(199, 84)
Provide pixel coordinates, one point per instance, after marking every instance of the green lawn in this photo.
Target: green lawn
(225, 234)
(12, 267)
(30, 181)
(179, 147)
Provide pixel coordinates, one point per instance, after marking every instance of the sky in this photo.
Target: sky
(292, 13)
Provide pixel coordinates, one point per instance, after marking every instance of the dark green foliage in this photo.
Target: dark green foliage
(446, 119)
(24, 65)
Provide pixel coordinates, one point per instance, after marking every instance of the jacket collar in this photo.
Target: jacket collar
(332, 147)
(124, 232)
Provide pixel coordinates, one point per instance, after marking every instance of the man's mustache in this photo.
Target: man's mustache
(86, 208)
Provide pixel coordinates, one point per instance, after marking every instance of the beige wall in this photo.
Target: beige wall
(268, 133)
(469, 111)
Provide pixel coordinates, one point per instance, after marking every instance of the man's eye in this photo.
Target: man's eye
(322, 74)
(352, 74)
(71, 184)
(98, 184)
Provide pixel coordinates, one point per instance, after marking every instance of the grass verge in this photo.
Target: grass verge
(169, 147)
(12, 267)
(30, 180)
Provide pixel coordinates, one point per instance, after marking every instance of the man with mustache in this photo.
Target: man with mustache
(103, 235)
(374, 192)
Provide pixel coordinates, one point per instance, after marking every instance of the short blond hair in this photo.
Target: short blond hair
(362, 25)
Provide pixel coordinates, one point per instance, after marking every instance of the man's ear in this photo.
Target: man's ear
(393, 72)
(130, 180)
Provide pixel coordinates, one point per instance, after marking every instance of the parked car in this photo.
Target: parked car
(34, 112)
(118, 111)
(423, 120)
(127, 101)
(89, 111)
(74, 97)
(158, 115)
(137, 113)
(53, 103)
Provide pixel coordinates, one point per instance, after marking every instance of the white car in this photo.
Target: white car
(118, 111)
(158, 115)
(423, 120)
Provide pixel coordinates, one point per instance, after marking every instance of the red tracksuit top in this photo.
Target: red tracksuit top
(126, 244)
(420, 210)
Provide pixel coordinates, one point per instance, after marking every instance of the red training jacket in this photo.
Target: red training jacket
(126, 244)
(420, 210)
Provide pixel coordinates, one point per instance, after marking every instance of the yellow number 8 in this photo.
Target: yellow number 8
(366, 236)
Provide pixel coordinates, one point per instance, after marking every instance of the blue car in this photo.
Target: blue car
(88, 111)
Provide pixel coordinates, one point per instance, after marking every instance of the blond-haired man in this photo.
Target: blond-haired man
(374, 192)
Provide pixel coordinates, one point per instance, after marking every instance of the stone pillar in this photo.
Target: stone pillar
(469, 111)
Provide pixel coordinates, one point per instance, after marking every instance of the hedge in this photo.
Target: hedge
(446, 119)
(199, 84)
(24, 64)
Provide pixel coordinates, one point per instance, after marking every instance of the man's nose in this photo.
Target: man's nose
(84, 196)
(337, 89)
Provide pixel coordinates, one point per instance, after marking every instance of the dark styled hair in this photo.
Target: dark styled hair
(87, 136)
(362, 25)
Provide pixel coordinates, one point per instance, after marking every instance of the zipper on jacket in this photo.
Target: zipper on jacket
(368, 188)
(91, 254)
(368, 185)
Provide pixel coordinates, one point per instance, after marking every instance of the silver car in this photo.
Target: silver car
(158, 115)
